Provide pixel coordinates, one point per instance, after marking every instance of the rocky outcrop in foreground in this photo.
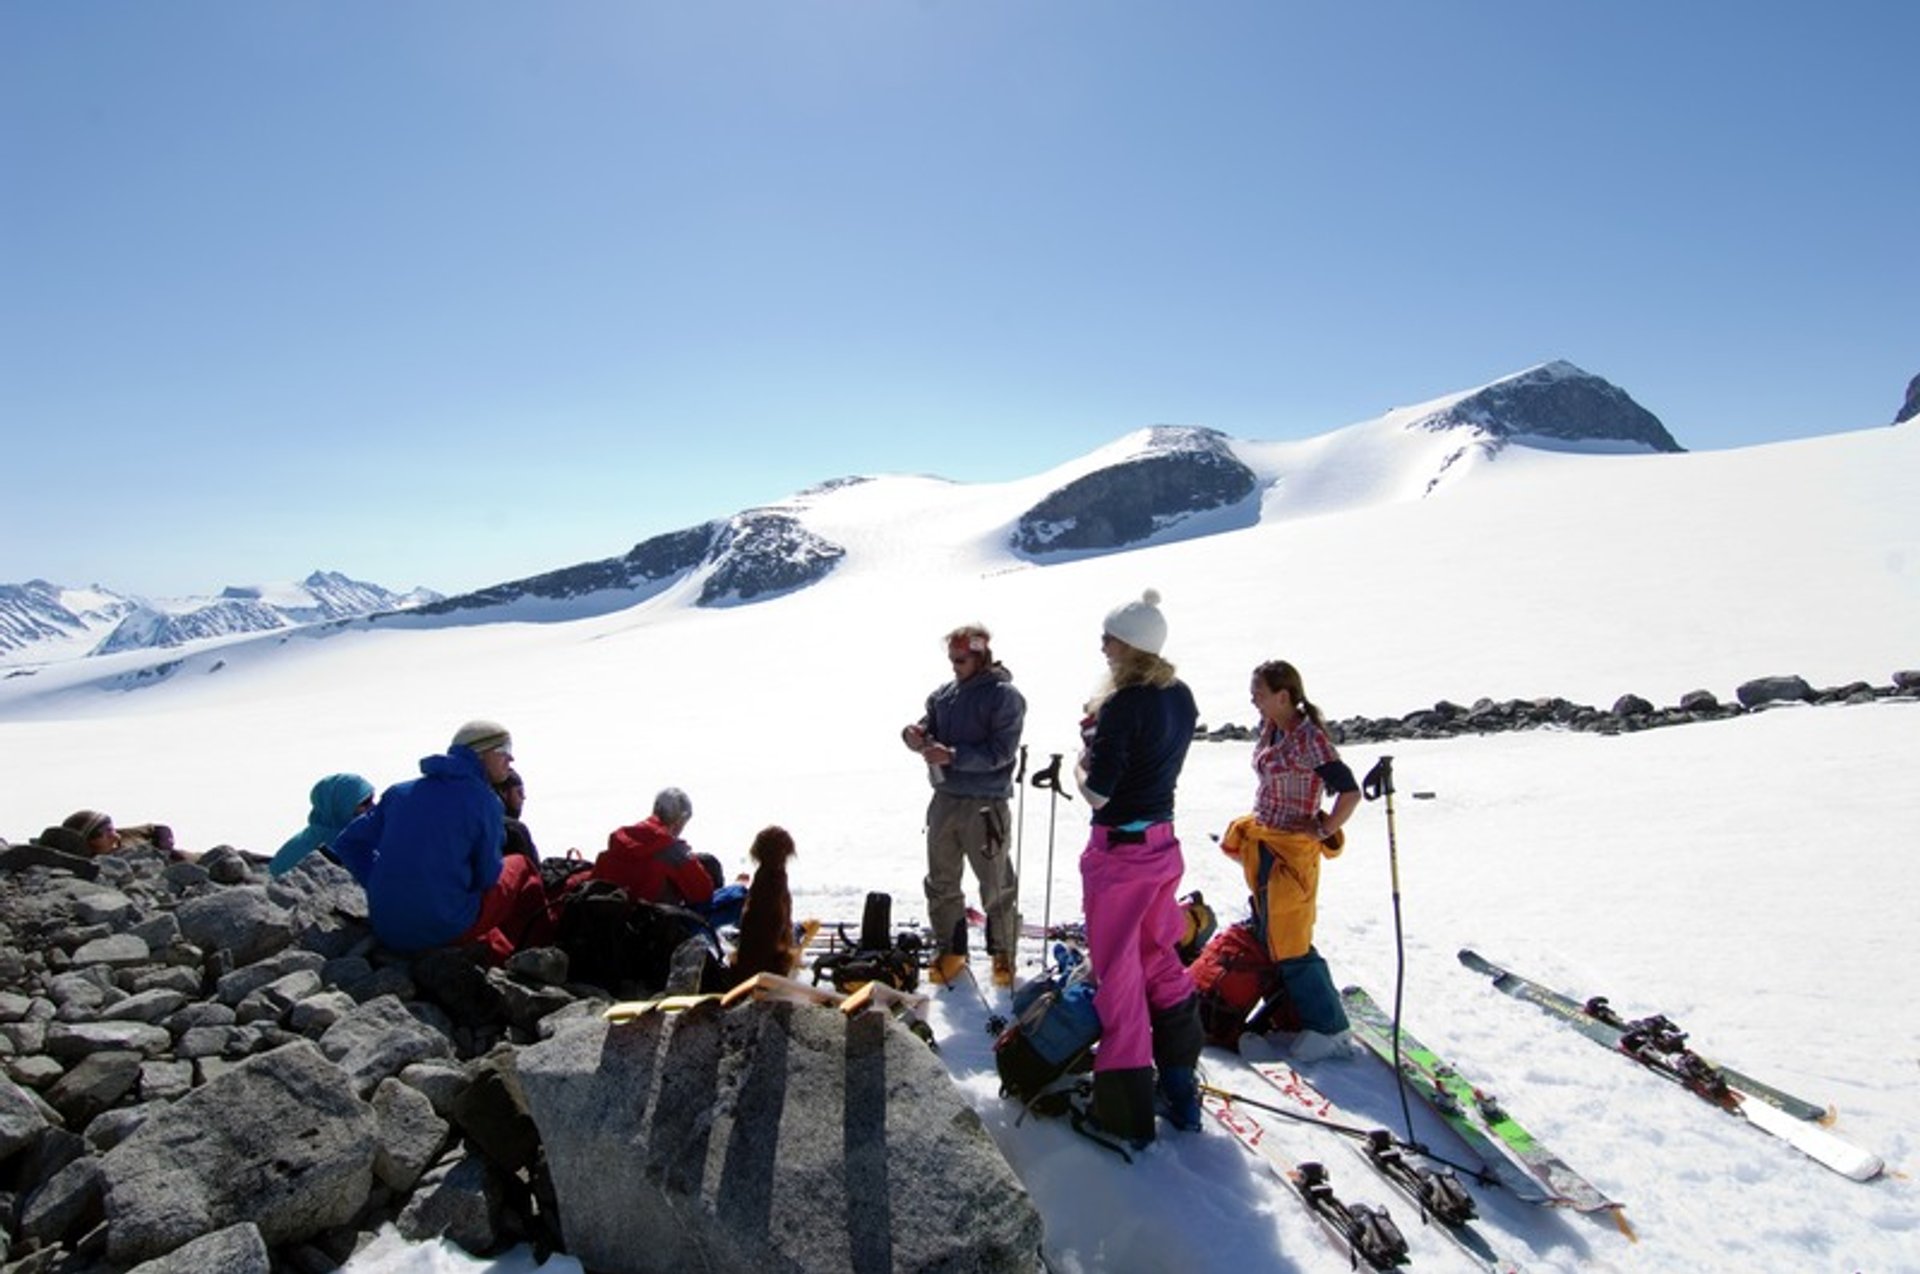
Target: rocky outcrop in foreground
(207, 1070)
(1630, 712)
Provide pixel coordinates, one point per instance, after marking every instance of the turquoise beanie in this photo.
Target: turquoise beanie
(336, 800)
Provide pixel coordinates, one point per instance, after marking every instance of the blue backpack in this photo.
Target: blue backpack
(1051, 1038)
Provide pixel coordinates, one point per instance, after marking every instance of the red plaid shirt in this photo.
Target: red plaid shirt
(1290, 790)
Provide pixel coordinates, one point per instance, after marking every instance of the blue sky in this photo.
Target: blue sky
(447, 293)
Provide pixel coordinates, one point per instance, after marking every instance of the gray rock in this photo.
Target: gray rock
(769, 1137)
(458, 1201)
(441, 1081)
(21, 1118)
(1765, 690)
(71, 1041)
(379, 1039)
(97, 1082)
(165, 1080)
(185, 980)
(411, 1134)
(241, 983)
(274, 1000)
(281, 1140)
(98, 904)
(1910, 408)
(313, 1015)
(56, 1207)
(158, 932)
(153, 1006)
(239, 920)
(238, 1249)
(112, 1127)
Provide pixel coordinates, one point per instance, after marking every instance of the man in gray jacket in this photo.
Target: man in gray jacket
(970, 738)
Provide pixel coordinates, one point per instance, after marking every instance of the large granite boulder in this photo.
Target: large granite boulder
(281, 1140)
(769, 1136)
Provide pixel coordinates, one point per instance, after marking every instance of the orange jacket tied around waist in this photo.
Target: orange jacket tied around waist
(1283, 874)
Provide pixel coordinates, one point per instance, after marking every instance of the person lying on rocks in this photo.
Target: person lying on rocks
(336, 800)
(99, 836)
(429, 855)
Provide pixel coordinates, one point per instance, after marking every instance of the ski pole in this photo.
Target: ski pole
(1377, 784)
(1049, 778)
(1020, 844)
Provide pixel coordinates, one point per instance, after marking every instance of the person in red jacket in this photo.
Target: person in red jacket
(650, 860)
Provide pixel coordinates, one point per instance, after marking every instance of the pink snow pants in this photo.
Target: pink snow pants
(1133, 926)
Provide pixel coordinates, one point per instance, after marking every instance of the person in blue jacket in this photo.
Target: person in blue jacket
(429, 854)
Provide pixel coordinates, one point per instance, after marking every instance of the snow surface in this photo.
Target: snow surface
(1750, 878)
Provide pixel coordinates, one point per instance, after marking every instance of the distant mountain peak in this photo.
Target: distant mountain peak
(1912, 407)
(1555, 400)
(39, 620)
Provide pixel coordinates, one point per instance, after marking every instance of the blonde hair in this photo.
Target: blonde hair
(1133, 667)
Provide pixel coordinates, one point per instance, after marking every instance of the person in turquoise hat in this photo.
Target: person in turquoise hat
(337, 799)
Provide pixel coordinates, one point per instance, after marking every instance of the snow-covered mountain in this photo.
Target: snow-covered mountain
(42, 622)
(1154, 486)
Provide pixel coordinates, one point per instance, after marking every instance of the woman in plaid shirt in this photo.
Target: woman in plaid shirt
(1279, 846)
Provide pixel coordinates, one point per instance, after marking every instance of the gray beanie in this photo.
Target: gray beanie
(483, 736)
(1139, 624)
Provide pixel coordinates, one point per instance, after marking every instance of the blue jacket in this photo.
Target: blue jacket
(1139, 743)
(980, 719)
(428, 852)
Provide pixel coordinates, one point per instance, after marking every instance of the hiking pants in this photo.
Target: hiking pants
(970, 831)
(513, 914)
(1133, 925)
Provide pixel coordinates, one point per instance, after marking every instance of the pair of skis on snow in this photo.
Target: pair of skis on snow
(1510, 1156)
(1365, 1232)
(1661, 1047)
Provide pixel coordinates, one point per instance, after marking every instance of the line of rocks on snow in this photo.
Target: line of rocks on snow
(207, 1071)
(1630, 712)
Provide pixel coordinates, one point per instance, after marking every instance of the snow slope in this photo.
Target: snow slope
(1743, 876)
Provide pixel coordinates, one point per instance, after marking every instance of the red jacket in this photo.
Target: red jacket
(653, 865)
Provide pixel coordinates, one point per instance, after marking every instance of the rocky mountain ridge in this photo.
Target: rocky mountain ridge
(41, 620)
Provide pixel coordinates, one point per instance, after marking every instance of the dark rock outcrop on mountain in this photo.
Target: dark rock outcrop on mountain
(202, 1068)
(1911, 407)
(1185, 472)
(756, 554)
(1556, 400)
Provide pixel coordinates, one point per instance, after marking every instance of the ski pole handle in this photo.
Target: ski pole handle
(1379, 780)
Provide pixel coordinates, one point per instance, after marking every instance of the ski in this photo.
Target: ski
(1514, 1157)
(1362, 1232)
(1437, 1193)
(1660, 1046)
(1596, 1019)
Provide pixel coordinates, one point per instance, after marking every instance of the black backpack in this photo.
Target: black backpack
(625, 946)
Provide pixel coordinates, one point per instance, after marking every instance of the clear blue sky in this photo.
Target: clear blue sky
(452, 291)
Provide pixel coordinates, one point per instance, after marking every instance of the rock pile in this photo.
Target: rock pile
(1630, 712)
(207, 1070)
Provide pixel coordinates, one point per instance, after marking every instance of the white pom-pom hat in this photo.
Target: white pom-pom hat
(1139, 624)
